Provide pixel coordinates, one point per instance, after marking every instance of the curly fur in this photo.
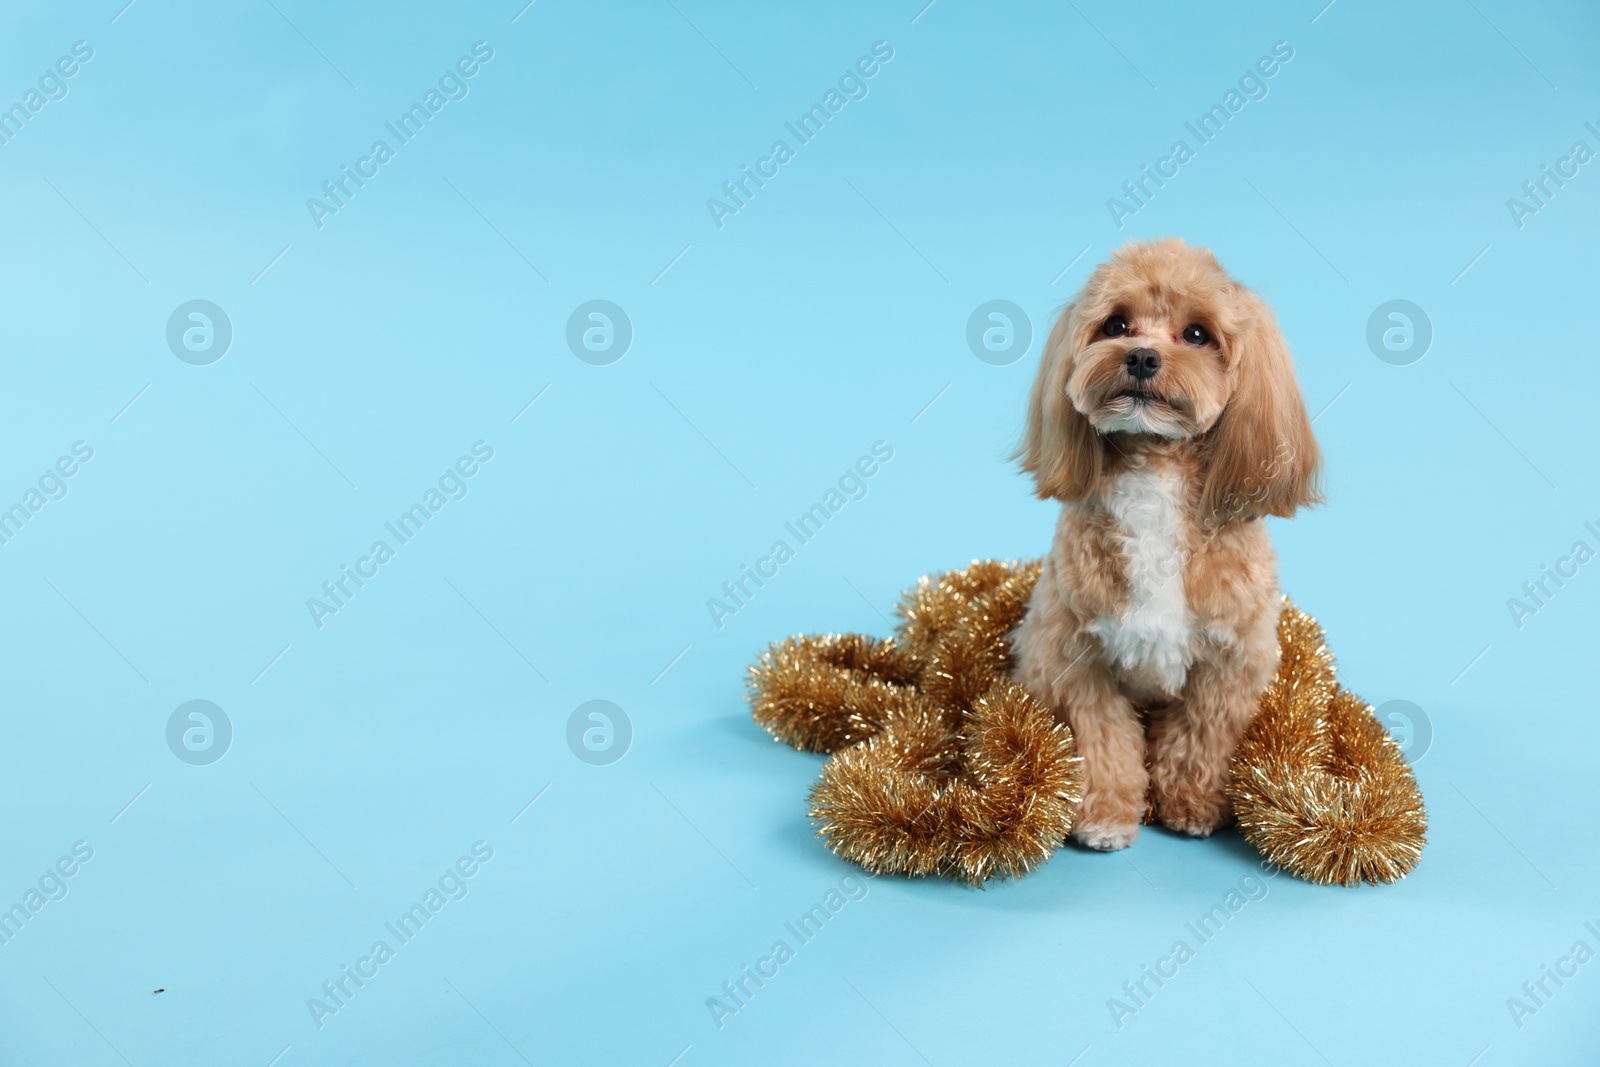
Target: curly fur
(1153, 628)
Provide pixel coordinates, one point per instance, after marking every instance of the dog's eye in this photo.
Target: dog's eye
(1196, 334)
(1115, 326)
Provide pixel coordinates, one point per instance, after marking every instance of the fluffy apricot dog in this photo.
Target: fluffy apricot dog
(1166, 419)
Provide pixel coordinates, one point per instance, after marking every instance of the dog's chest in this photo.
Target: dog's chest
(1151, 640)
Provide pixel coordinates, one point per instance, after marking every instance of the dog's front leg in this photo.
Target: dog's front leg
(1111, 740)
(1193, 741)
(1064, 667)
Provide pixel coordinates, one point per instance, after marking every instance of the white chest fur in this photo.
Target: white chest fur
(1153, 637)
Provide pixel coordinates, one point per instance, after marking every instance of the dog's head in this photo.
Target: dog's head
(1162, 342)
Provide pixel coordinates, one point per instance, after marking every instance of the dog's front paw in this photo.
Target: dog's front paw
(1192, 811)
(1106, 837)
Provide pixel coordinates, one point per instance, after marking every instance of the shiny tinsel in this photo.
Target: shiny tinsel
(943, 765)
(1319, 787)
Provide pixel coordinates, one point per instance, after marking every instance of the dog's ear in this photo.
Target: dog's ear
(1261, 456)
(1059, 447)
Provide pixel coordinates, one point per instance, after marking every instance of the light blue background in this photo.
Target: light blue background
(825, 316)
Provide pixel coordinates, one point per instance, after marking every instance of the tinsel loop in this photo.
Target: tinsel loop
(941, 764)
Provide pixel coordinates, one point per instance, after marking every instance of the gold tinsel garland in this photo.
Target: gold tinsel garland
(944, 765)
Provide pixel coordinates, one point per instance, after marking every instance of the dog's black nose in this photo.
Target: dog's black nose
(1142, 363)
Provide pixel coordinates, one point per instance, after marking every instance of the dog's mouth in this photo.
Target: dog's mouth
(1131, 400)
(1143, 411)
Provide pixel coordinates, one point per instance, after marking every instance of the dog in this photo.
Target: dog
(1166, 418)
